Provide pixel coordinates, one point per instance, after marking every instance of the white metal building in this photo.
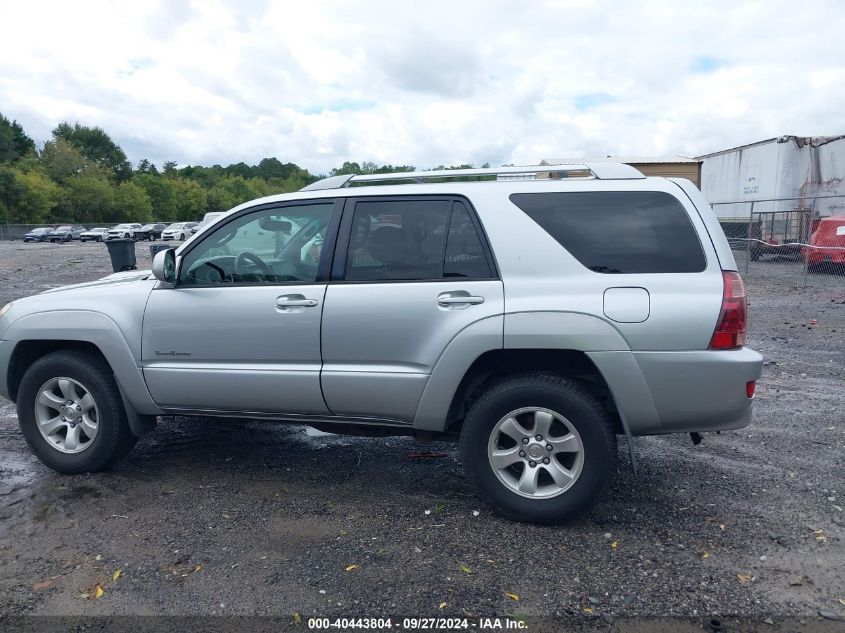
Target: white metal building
(781, 167)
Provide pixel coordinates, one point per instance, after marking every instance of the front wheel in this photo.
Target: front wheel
(152, 237)
(71, 414)
(539, 447)
(182, 237)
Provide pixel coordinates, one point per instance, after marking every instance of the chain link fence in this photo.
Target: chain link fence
(17, 231)
(792, 242)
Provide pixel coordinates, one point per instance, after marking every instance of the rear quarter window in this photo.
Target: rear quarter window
(619, 232)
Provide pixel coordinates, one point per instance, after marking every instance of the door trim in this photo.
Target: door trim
(299, 418)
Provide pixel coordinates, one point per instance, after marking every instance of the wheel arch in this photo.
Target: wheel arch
(27, 352)
(494, 365)
(40, 333)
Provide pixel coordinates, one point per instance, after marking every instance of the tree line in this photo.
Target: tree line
(81, 175)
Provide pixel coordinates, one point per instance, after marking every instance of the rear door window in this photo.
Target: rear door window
(619, 232)
(414, 240)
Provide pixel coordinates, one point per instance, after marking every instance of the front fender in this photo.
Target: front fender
(98, 329)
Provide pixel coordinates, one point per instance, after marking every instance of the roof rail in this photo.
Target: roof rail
(600, 170)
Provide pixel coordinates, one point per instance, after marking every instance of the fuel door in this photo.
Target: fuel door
(627, 305)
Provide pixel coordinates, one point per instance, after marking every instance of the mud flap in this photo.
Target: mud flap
(138, 424)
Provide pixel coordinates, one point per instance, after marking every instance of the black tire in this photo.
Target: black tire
(182, 237)
(564, 397)
(99, 238)
(113, 440)
(152, 237)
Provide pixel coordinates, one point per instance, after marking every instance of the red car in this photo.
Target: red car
(829, 234)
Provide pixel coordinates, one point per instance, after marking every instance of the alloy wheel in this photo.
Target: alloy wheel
(536, 452)
(66, 414)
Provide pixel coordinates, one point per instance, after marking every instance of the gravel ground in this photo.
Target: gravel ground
(241, 518)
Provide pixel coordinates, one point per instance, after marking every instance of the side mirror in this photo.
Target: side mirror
(164, 266)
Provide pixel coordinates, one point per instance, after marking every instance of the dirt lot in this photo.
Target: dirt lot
(218, 517)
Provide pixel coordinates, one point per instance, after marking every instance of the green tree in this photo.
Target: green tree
(146, 167)
(270, 168)
(96, 146)
(27, 197)
(131, 204)
(61, 160)
(162, 196)
(14, 143)
(191, 199)
(89, 200)
(219, 199)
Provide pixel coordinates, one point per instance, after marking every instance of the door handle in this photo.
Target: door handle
(449, 299)
(295, 301)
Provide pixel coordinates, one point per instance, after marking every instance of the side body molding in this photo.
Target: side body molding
(561, 330)
(100, 330)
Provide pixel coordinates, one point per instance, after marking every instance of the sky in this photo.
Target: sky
(319, 83)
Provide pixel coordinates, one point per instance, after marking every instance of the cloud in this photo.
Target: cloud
(499, 82)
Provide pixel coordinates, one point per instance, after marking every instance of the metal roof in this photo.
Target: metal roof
(800, 141)
(628, 160)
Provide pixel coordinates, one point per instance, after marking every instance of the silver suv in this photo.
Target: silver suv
(532, 316)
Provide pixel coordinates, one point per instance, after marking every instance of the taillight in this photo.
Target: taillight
(730, 330)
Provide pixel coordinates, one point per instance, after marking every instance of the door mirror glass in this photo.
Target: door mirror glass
(164, 266)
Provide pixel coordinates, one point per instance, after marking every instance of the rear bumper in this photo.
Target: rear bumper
(681, 392)
(819, 256)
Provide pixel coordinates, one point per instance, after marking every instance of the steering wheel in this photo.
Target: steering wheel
(246, 257)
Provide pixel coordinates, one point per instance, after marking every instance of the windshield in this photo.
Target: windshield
(178, 225)
(63, 228)
(122, 226)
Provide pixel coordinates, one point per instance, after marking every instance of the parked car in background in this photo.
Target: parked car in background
(97, 234)
(150, 232)
(827, 244)
(178, 231)
(126, 231)
(505, 315)
(38, 235)
(207, 219)
(67, 232)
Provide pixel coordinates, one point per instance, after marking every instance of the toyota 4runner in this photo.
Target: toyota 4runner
(533, 316)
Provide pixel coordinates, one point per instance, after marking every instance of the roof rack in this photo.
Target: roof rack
(599, 170)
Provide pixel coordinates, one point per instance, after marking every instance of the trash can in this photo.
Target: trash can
(156, 248)
(122, 253)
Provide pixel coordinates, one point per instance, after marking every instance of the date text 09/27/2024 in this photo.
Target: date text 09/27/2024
(416, 624)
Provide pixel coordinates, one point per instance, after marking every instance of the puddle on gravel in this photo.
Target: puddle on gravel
(16, 471)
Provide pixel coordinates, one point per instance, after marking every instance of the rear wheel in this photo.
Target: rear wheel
(71, 413)
(539, 447)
